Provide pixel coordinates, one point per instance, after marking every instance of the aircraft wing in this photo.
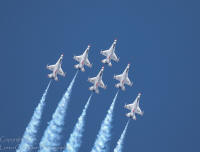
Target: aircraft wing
(129, 106)
(92, 80)
(114, 57)
(118, 77)
(105, 53)
(128, 82)
(87, 63)
(139, 111)
(51, 67)
(78, 58)
(102, 85)
(60, 72)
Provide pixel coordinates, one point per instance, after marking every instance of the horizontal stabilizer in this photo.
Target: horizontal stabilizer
(76, 66)
(104, 61)
(119, 85)
(50, 75)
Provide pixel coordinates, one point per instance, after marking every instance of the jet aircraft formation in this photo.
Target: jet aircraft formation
(53, 133)
(97, 81)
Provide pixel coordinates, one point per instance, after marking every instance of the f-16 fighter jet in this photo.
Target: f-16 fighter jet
(56, 69)
(123, 79)
(83, 60)
(97, 81)
(110, 54)
(134, 108)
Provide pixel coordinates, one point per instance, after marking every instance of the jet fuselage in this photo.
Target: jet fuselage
(85, 56)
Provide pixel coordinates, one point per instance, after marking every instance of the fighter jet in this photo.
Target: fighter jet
(134, 108)
(83, 60)
(110, 54)
(97, 81)
(123, 79)
(56, 69)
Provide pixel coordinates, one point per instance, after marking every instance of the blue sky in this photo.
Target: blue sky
(159, 39)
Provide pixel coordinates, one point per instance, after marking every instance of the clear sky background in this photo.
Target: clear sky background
(159, 38)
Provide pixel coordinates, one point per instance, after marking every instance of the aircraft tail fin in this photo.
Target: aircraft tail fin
(134, 117)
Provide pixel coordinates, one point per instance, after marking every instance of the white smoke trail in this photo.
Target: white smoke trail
(74, 142)
(104, 134)
(52, 135)
(29, 137)
(120, 142)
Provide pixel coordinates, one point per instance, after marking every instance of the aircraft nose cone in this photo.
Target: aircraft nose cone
(139, 94)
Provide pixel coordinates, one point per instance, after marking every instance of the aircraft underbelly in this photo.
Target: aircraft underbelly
(122, 82)
(55, 72)
(82, 63)
(96, 85)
